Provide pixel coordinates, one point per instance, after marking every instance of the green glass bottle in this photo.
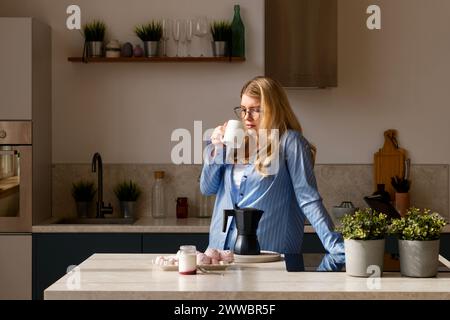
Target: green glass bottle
(237, 34)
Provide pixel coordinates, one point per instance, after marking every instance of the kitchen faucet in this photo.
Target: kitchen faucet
(101, 209)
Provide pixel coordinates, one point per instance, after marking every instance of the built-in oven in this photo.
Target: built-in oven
(15, 176)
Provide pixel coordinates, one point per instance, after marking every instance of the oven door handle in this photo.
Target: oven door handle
(8, 152)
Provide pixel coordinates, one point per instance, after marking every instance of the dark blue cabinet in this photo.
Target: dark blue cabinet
(171, 242)
(53, 253)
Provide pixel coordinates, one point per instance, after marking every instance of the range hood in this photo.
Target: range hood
(301, 42)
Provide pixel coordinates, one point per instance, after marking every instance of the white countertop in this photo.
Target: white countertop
(132, 276)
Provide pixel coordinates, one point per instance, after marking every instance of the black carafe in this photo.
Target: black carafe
(247, 220)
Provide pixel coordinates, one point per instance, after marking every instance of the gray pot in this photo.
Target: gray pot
(151, 48)
(362, 254)
(419, 258)
(220, 48)
(95, 48)
(83, 209)
(127, 208)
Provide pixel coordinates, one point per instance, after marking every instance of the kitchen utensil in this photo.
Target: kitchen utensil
(389, 162)
(247, 220)
(346, 207)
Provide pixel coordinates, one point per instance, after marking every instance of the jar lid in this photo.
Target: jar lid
(159, 174)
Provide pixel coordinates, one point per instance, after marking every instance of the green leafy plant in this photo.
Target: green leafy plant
(364, 224)
(127, 191)
(83, 191)
(418, 225)
(94, 31)
(401, 185)
(151, 31)
(221, 30)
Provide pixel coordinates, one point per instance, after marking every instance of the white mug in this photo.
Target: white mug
(234, 134)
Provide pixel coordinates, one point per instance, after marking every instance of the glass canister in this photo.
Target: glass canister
(158, 201)
(187, 260)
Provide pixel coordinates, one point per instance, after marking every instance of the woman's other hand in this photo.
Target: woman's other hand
(217, 135)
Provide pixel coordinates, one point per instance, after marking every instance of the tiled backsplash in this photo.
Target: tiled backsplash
(430, 185)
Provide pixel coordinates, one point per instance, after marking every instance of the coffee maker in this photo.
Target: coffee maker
(247, 220)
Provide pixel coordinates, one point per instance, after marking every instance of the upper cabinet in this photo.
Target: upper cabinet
(25, 65)
(301, 42)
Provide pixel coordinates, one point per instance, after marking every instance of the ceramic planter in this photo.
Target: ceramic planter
(419, 258)
(220, 48)
(127, 208)
(94, 48)
(151, 48)
(83, 209)
(362, 254)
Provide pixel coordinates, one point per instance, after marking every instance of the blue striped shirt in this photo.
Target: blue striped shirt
(285, 197)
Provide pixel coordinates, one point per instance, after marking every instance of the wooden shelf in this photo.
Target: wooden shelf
(158, 59)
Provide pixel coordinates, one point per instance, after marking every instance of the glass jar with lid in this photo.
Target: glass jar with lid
(158, 200)
(187, 260)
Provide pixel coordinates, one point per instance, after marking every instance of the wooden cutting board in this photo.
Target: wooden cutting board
(389, 161)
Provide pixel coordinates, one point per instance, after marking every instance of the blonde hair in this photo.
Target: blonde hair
(276, 114)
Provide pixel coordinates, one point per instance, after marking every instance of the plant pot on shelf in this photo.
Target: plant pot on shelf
(94, 49)
(419, 259)
(151, 48)
(402, 202)
(127, 208)
(220, 48)
(363, 258)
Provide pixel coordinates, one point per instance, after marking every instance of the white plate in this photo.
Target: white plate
(204, 266)
(265, 256)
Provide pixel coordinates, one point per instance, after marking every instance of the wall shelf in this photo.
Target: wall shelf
(157, 59)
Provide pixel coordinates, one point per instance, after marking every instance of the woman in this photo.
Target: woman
(286, 195)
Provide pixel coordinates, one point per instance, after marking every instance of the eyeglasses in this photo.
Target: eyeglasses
(241, 112)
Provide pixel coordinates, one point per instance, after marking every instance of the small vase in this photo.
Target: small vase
(151, 48)
(95, 48)
(363, 257)
(402, 203)
(127, 208)
(220, 48)
(419, 259)
(83, 209)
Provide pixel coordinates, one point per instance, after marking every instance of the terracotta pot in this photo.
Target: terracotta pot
(402, 203)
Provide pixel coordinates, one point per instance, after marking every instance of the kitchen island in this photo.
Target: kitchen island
(133, 276)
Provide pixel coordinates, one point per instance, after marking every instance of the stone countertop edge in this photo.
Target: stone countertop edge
(133, 276)
(143, 225)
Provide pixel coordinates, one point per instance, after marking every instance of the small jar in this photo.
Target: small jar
(182, 208)
(187, 260)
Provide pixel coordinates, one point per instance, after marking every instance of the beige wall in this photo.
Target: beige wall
(393, 78)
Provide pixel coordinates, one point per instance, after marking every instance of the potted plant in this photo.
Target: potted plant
(419, 236)
(127, 192)
(221, 33)
(150, 34)
(401, 186)
(364, 234)
(94, 35)
(83, 192)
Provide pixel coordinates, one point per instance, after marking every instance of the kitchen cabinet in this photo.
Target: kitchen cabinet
(25, 64)
(171, 242)
(53, 253)
(157, 59)
(15, 266)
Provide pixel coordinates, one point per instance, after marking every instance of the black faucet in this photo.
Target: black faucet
(101, 209)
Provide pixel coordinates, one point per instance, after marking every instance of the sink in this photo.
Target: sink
(96, 221)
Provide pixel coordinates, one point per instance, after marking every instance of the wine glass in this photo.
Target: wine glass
(165, 34)
(189, 35)
(177, 33)
(201, 29)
